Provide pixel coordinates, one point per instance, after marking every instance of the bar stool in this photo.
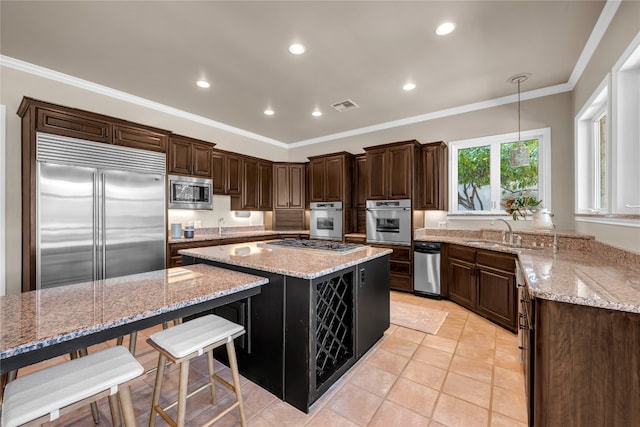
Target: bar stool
(43, 395)
(182, 343)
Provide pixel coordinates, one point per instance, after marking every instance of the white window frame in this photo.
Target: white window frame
(586, 149)
(3, 171)
(622, 137)
(543, 135)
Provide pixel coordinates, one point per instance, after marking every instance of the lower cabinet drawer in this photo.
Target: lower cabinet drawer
(400, 283)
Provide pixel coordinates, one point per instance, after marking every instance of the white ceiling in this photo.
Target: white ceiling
(359, 50)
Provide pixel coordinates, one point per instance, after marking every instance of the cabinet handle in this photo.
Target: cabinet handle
(523, 317)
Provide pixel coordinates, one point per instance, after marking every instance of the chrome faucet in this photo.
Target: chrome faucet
(508, 225)
(220, 222)
(555, 239)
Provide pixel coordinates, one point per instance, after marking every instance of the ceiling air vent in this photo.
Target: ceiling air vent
(345, 105)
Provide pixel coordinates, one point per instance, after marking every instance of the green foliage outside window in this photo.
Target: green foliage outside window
(474, 175)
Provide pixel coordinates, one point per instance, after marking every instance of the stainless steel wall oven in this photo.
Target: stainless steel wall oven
(325, 220)
(389, 221)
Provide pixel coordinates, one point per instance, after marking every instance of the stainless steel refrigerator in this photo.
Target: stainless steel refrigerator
(100, 211)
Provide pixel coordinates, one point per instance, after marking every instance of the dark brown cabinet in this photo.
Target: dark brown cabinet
(289, 196)
(257, 186)
(188, 156)
(484, 282)
(330, 178)
(227, 173)
(433, 181)
(359, 192)
(140, 137)
(392, 170)
(73, 123)
(400, 267)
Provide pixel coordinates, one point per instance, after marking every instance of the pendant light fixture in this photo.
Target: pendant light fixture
(520, 153)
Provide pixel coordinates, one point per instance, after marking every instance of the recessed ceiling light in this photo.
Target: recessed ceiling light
(446, 28)
(316, 113)
(203, 84)
(409, 86)
(296, 49)
(269, 112)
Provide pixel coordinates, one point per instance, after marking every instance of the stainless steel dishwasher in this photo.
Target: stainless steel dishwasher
(426, 269)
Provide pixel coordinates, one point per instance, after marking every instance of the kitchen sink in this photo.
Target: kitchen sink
(486, 243)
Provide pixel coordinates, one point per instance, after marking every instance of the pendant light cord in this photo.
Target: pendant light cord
(519, 139)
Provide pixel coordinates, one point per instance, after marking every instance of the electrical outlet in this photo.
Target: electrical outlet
(442, 224)
(197, 224)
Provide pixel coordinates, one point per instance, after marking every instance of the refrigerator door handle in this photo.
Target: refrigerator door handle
(96, 208)
(103, 227)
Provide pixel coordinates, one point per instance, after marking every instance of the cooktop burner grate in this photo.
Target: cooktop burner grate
(336, 247)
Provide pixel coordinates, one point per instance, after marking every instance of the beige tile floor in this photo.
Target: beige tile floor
(468, 374)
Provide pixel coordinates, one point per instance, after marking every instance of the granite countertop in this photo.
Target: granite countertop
(45, 317)
(235, 234)
(595, 275)
(295, 262)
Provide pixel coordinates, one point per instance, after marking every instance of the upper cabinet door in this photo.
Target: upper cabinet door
(296, 186)
(281, 186)
(218, 172)
(361, 184)
(433, 183)
(180, 157)
(317, 180)
(201, 156)
(376, 168)
(234, 175)
(400, 172)
(250, 196)
(265, 202)
(334, 178)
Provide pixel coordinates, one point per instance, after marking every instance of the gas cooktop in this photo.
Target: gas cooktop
(335, 247)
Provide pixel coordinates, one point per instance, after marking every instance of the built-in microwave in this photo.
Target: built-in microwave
(190, 193)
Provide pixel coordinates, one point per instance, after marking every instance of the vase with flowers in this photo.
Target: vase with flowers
(520, 205)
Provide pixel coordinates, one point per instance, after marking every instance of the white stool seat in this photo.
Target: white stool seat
(184, 342)
(195, 335)
(51, 389)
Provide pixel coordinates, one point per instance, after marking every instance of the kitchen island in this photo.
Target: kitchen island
(321, 311)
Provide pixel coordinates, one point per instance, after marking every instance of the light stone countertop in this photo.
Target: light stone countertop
(295, 262)
(236, 234)
(595, 275)
(37, 319)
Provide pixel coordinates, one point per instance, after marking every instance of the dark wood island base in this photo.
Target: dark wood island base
(303, 334)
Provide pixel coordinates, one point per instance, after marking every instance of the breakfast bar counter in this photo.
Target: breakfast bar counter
(42, 324)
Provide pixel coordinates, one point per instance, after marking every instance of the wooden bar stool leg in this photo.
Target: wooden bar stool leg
(133, 339)
(233, 364)
(93, 405)
(211, 375)
(114, 407)
(126, 402)
(162, 361)
(182, 392)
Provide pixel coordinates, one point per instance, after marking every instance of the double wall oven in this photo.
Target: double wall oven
(389, 221)
(325, 220)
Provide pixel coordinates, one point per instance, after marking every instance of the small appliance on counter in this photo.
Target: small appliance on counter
(188, 232)
(176, 231)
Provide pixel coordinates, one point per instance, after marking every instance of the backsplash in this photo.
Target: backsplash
(209, 219)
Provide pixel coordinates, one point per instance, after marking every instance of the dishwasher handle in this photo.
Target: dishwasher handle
(426, 247)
